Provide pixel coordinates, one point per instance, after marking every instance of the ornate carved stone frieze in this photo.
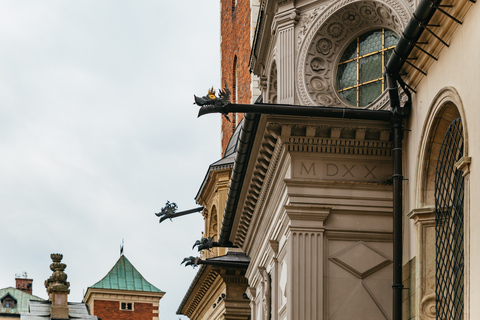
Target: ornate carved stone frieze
(266, 292)
(322, 36)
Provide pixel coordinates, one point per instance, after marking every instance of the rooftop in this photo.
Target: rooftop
(22, 300)
(40, 310)
(124, 276)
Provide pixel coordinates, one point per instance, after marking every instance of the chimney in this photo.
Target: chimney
(57, 288)
(24, 284)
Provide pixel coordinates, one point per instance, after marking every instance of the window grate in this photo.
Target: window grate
(449, 188)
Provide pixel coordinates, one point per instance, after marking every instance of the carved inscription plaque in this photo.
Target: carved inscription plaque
(342, 170)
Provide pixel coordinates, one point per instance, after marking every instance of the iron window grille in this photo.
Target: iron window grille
(449, 216)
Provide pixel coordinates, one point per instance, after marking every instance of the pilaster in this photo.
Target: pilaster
(464, 165)
(284, 27)
(424, 219)
(305, 236)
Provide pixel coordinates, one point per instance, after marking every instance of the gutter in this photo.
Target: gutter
(414, 29)
(245, 143)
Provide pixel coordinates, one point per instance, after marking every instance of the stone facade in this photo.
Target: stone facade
(315, 210)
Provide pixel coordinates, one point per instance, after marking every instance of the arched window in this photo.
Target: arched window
(449, 226)
(235, 89)
(360, 70)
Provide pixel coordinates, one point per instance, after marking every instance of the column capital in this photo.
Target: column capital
(464, 165)
(306, 216)
(422, 215)
(285, 19)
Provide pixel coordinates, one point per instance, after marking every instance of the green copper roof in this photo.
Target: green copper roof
(124, 276)
(22, 300)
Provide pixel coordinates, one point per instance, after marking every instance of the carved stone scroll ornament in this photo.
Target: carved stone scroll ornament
(427, 306)
(266, 294)
(324, 33)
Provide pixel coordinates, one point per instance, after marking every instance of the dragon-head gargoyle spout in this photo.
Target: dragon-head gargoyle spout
(211, 103)
(167, 212)
(205, 243)
(191, 261)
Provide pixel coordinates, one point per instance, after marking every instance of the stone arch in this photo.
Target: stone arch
(213, 224)
(323, 35)
(446, 106)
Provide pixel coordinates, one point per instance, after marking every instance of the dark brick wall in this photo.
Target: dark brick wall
(110, 310)
(235, 31)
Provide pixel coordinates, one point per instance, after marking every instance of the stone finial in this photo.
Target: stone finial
(57, 288)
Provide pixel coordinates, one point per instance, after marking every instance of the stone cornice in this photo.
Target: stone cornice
(464, 165)
(329, 136)
(421, 214)
(109, 294)
(218, 179)
(198, 290)
(285, 19)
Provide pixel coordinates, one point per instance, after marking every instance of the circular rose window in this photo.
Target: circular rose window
(360, 71)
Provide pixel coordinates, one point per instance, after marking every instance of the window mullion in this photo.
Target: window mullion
(358, 72)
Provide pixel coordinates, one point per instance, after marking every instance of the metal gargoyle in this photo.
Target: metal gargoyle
(167, 212)
(205, 243)
(212, 102)
(191, 261)
(170, 211)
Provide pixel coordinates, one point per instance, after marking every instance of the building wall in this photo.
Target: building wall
(447, 92)
(107, 310)
(105, 304)
(235, 52)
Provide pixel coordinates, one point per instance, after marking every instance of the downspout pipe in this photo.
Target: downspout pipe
(414, 29)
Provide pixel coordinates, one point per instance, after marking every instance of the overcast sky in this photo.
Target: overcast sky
(98, 131)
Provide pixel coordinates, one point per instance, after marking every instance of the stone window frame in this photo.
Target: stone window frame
(445, 106)
(123, 306)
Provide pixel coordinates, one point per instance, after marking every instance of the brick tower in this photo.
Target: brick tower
(238, 19)
(124, 294)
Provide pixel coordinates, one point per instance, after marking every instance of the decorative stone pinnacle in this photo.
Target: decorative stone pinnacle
(57, 288)
(58, 280)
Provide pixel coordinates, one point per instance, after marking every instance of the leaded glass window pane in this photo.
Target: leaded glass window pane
(371, 42)
(349, 95)
(350, 53)
(387, 55)
(347, 75)
(391, 38)
(370, 92)
(371, 68)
